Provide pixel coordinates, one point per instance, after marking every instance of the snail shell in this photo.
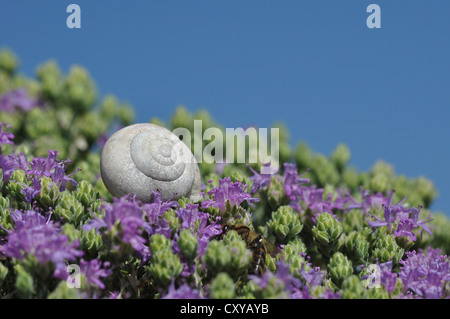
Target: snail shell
(142, 158)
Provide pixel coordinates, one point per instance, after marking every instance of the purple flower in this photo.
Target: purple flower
(31, 191)
(5, 136)
(157, 224)
(182, 292)
(227, 192)
(404, 229)
(425, 276)
(60, 178)
(49, 167)
(292, 181)
(261, 180)
(312, 198)
(52, 167)
(93, 271)
(34, 235)
(388, 278)
(407, 219)
(368, 201)
(29, 219)
(420, 223)
(313, 277)
(11, 163)
(124, 219)
(17, 98)
(43, 166)
(192, 218)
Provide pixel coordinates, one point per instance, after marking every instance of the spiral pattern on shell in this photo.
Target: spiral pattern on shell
(142, 158)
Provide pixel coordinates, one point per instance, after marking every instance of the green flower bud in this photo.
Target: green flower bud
(377, 293)
(109, 107)
(353, 288)
(188, 244)
(159, 242)
(182, 118)
(327, 231)
(46, 142)
(90, 126)
(275, 289)
(91, 241)
(3, 273)
(275, 193)
(324, 171)
(85, 193)
(79, 90)
(216, 257)
(294, 247)
(353, 220)
(230, 255)
(237, 174)
(271, 263)
(69, 208)
(63, 291)
(303, 156)
(351, 179)
(441, 232)
(426, 190)
(5, 215)
(50, 77)
(237, 248)
(183, 201)
(381, 167)
(172, 218)
(8, 61)
(293, 254)
(222, 287)
(379, 183)
(72, 232)
(24, 282)
(126, 114)
(165, 265)
(49, 192)
(340, 156)
(14, 186)
(157, 121)
(387, 249)
(41, 122)
(4, 202)
(285, 224)
(205, 117)
(339, 268)
(357, 246)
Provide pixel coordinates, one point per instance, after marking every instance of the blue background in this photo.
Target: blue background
(314, 65)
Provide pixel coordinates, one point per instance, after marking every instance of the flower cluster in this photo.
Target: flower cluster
(426, 275)
(17, 99)
(5, 136)
(34, 236)
(36, 170)
(228, 193)
(314, 229)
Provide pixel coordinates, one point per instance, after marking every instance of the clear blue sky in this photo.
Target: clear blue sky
(312, 64)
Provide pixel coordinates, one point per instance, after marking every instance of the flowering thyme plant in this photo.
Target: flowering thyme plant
(316, 228)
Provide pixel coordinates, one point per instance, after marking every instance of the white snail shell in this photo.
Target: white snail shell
(142, 158)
